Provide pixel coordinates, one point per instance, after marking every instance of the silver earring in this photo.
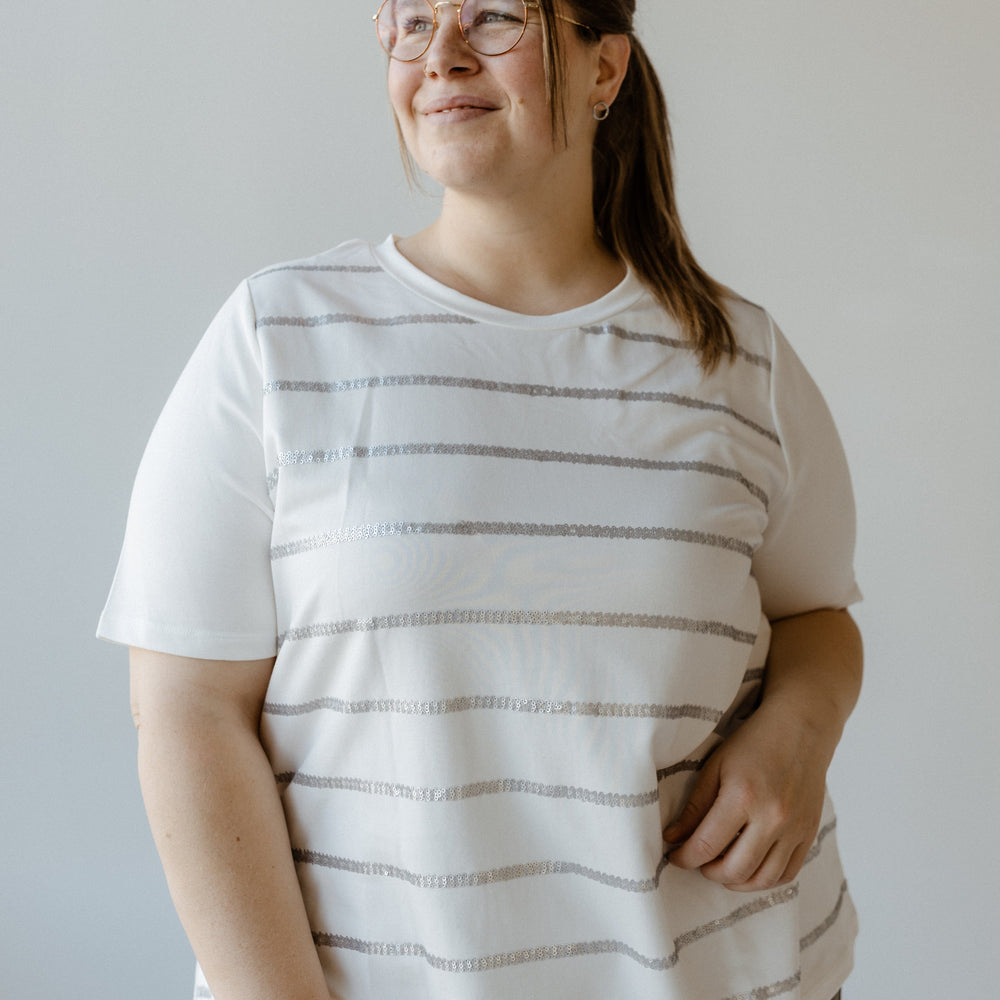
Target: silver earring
(601, 111)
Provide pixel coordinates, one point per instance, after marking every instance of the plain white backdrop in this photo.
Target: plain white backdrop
(836, 162)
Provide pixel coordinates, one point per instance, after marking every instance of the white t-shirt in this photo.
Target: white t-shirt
(517, 572)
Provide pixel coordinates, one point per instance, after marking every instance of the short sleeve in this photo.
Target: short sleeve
(806, 561)
(194, 575)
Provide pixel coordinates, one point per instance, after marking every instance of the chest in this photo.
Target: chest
(466, 466)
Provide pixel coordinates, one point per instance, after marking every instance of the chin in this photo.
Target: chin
(466, 171)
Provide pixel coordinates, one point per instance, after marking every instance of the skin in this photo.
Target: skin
(516, 230)
(756, 808)
(219, 827)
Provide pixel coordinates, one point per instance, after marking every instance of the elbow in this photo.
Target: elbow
(134, 705)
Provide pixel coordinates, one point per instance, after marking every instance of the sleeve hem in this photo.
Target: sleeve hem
(184, 641)
(849, 599)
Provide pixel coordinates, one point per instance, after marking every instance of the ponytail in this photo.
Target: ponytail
(634, 204)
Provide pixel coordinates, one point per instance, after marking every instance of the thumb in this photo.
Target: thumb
(702, 797)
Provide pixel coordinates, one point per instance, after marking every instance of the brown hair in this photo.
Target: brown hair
(634, 204)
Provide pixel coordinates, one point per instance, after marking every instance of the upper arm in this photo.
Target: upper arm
(806, 561)
(194, 577)
(165, 688)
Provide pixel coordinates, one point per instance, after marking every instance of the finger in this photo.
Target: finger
(795, 863)
(742, 859)
(768, 874)
(711, 838)
(696, 808)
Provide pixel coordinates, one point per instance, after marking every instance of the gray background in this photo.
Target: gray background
(837, 162)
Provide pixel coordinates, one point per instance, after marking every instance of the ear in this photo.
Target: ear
(614, 52)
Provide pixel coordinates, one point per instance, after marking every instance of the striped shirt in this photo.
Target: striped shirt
(517, 572)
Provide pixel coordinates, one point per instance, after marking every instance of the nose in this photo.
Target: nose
(448, 52)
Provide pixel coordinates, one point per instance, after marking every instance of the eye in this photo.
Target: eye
(493, 26)
(415, 26)
(494, 16)
(498, 16)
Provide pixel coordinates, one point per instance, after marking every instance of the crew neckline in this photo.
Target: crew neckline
(625, 294)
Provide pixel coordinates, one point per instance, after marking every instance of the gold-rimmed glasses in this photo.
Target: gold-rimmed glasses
(489, 27)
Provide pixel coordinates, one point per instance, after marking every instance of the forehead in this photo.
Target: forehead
(404, 6)
(409, 6)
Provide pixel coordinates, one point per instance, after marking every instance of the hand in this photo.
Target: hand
(756, 808)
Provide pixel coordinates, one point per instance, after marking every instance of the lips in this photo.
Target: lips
(461, 102)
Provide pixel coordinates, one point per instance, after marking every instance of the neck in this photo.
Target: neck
(527, 252)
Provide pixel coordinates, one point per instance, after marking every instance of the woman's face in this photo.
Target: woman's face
(475, 122)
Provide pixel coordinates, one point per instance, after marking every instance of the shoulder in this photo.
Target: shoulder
(352, 256)
(290, 293)
(753, 327)
(342, 279)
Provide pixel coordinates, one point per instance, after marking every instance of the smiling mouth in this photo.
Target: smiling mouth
(458, 104)
(459, 108)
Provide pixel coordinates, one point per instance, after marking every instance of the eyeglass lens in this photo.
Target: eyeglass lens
(491, 27)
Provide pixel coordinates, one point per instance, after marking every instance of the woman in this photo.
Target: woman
(448, 648)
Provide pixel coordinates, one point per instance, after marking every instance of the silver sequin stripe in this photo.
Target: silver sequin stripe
(547, 953)
(680, 767)
(389, 529)
(338, 268)
(333, 319)
(820, 837)
(514, 388)
(495, 703)
(511, 873)
(321, 456)
(814, 935)
(488, 616)
(336, 319)
(467, 880)
(475, 790)
(768, 992)
(508, 703)
(611, 330)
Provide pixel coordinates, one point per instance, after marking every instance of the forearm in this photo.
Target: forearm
(755, 810)
(219, 827)
(814, 671)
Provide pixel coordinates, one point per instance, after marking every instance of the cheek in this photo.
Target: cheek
(401, 88)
